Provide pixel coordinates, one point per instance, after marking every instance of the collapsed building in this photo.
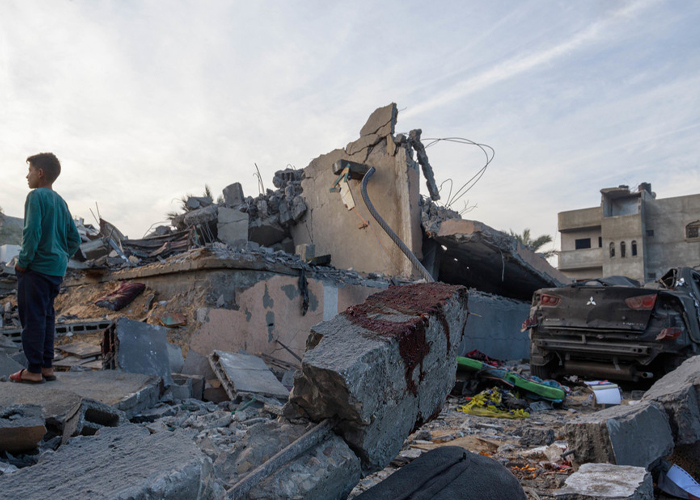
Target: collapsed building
(256, 275)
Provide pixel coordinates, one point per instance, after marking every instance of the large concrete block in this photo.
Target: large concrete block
(383, 367)
(679, 393)
(233, 195)
(232, 227)
(117, 463)
(607, 482)
(21, 427)
(637, 435)
(328, 471)
(89, 416)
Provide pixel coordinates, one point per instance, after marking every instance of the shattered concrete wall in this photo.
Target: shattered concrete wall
(494, 327)
(393, 190)
(252, 303)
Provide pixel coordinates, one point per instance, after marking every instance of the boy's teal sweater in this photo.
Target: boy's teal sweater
(50, 237)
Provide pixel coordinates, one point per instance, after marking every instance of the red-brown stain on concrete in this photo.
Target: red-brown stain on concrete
(421, 301)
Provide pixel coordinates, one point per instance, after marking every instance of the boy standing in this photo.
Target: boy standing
(49, 239)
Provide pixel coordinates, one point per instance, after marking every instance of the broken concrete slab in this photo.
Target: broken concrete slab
(194, 202)
(233, 195)
(637, 435)
(679, 393)
(243, 374)
(136, 347)
(89, 416)
(119, 462)
(94, 249)
(478, 256)
(607, 482)
(232, 227)
(381, 122)
(8, 366)
(327, 471)
(383, 367)
(206, 215)
(306, 252)
(21, 427)
(129, 392)
(266, 232)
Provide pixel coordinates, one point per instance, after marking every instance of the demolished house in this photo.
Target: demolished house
(305, 334)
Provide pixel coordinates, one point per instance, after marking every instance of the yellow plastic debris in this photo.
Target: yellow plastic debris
(488, 404)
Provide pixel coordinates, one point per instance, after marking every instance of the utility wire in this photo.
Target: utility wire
(489, 153)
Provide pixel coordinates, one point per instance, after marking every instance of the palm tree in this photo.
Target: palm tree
(526, 240)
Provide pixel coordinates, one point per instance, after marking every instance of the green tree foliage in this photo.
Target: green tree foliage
(525, 239)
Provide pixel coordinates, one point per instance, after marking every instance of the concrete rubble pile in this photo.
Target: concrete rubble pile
(212, 449)
(200, 362)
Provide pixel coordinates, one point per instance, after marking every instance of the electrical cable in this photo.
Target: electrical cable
(414, 260)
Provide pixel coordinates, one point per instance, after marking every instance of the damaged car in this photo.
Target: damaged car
(614, 327)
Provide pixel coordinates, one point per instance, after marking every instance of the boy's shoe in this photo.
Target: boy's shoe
(17, 377)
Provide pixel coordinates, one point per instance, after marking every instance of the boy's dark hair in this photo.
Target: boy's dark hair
(48, 163)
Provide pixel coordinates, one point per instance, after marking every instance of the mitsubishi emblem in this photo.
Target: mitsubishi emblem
(591, 302)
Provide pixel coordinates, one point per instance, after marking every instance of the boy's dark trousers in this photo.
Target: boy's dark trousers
(35, 295)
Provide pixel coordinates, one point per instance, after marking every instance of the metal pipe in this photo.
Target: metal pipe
(402, 246)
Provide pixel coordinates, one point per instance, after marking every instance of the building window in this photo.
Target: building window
(583, 243)
(622, 249)
(612, 249)
(692, 230)
(634, 248)
(650, 233)
(600, 242)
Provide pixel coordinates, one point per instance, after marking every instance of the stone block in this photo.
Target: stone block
(328, 471)
(233, 195)
(679, 393)
(89, 416)
(306, 251)
(232, 227)
(21, 427)
(607, 482)
(637, 435)
(120, 462)
(136, 347)
(383, 367)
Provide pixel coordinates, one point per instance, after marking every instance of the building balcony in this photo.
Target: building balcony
(585, 218)
(580, 259)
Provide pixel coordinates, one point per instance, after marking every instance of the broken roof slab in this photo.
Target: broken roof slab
(478, 256)
(129, 392)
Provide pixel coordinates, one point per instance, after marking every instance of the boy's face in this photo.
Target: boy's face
(34, 177)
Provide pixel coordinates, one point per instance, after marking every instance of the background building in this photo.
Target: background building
(631, 234)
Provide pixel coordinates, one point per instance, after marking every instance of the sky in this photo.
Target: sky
(146, 101)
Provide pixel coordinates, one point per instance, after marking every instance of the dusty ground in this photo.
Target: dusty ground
(530, 448)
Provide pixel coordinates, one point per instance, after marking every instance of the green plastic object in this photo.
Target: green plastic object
(513, 379)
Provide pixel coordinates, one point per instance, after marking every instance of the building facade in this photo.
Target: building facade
(632, 234)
